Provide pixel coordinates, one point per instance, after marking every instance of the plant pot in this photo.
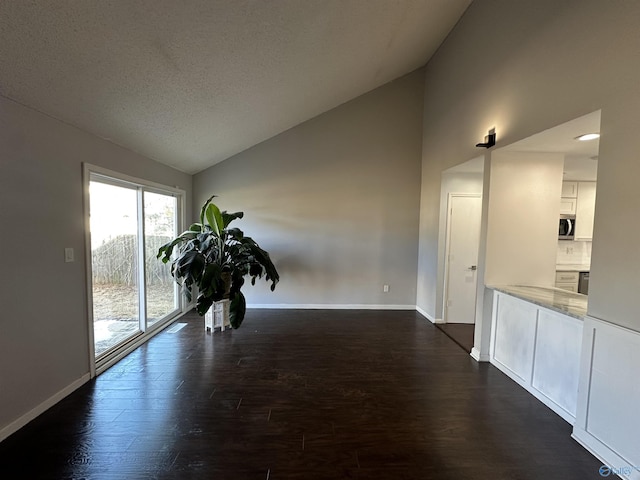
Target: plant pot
(217, 316)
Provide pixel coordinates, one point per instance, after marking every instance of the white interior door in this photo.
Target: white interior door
(463, 237)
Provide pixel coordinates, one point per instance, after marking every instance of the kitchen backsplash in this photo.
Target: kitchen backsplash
(574, 253)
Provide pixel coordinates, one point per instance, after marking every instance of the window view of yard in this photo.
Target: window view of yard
(115, 247)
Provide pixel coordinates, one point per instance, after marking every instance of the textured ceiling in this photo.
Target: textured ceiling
(192, 83)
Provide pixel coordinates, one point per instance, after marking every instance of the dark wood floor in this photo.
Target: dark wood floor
(299, 395)
(461, 333)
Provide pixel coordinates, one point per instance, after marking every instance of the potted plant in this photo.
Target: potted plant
(216, 259)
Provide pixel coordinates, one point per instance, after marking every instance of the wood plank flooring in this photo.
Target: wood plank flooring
(299, 395)
(461, 333)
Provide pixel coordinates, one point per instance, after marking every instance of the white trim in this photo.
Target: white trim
(479, 357)
(330, 306)
(592, 328)
(142, 262)
(602, 452)
(86, 179)
(133, 181)
(560, 411)
(424, 313)
(44, 406)
(447, 248)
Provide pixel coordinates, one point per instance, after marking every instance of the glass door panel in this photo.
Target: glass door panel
(114, 263)
(160, 226)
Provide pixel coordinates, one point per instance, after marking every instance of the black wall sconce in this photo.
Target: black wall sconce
(489, 140)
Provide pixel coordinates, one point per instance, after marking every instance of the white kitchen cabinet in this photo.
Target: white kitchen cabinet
(569, 196)
(585, 209)
(568, 206)
(569, 189)
(570, 287)
(567, 280)
(579, 199)
(539, 349)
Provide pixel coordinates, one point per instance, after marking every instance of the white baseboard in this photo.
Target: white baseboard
(44, 406)
(606, 455)
(560, 411)
(330, 306)
(424, 313)
(479, 357)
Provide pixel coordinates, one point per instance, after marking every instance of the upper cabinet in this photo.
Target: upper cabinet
(585, 208)
(568, 202)
(568, 206)
(579, 199)
(570, 189)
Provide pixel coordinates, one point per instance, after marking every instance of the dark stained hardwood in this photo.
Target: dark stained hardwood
(299, 395)
(461, 333)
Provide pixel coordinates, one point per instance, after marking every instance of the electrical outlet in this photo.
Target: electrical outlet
(385, 288)
(569, 250)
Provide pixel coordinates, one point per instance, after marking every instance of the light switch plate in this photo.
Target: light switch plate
(68, 255)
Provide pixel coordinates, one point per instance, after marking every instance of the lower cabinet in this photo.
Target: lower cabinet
(567, 280)
(540, 350)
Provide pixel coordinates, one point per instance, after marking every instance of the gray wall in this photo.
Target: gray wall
(524, 67)
(334, 200)
(44, 331)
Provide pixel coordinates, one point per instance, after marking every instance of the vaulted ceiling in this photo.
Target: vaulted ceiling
(192, 83)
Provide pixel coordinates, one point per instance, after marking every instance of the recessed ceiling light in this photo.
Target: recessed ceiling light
(588, 136)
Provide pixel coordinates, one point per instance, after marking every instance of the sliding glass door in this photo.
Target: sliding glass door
(114, 264)
(160, 214)
(131, 290)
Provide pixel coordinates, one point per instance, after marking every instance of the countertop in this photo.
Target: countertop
(573, 267)
(562, 301)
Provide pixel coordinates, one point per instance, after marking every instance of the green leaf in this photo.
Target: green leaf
(190, 265)
(214, 218)
(204, 208)
(234, 233)
(166, 250)
(237, 309)
(230, 217)
(203, 304)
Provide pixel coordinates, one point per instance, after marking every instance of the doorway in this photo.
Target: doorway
(464, 215)
(131, 293)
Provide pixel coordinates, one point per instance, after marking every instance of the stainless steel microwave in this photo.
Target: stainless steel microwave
(567, 227)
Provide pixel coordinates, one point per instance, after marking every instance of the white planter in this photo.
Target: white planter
(217, 316)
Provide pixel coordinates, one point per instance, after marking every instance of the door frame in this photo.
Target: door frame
(116, 178)
(445, 290)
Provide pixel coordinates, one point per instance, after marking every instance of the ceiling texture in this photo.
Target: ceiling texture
(192, 83)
